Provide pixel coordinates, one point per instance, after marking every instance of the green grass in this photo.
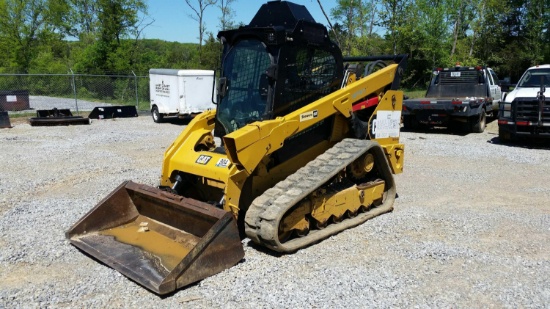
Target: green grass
(143, 106)
(22, 115)
(415, 93)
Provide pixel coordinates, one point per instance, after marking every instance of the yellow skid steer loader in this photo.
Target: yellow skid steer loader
(302, 145)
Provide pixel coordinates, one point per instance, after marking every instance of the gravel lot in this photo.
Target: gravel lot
(471, 228)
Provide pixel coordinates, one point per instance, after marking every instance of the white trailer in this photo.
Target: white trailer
(181, 93)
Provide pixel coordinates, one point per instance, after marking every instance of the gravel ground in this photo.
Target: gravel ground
(471, 228)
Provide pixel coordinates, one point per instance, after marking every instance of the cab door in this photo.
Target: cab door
(494, 88)
(496, 92)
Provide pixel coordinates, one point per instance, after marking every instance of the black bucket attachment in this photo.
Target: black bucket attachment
(54, 113)
(5, 120)
(160, 240)
(108, 112)
(56, 117)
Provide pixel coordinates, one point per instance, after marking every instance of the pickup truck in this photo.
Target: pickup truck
(456, 96)
(525, 112)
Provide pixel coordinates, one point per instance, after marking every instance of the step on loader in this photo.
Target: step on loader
(302, 145)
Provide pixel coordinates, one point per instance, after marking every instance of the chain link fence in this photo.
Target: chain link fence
(77, 92)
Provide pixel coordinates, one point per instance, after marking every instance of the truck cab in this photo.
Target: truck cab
(525, 112)
(457, 95)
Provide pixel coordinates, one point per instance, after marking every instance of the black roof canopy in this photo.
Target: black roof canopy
(280, 13)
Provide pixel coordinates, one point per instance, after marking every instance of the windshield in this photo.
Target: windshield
(246, 96)
(534, 78)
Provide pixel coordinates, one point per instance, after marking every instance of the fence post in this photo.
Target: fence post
(136, 82)
(74, 92)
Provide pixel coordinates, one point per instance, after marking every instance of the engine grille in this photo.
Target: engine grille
(527, 109)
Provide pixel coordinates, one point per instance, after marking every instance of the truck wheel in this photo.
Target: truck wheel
(478, 126)
(157, 117)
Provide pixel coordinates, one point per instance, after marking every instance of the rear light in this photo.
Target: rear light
(502, 122)
(424, 102)
(522, 123)
(478, 68)
(456, 102)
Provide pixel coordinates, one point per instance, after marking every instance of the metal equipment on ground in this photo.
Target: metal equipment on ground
(56, 117)
(161, 240)
(109, 112)
(4, 120)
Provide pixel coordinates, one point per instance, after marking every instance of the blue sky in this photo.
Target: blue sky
(172, 22)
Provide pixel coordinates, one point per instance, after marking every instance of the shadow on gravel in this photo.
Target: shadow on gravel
(528, 143)
(176, 121)
(457, 129)
(263, 249)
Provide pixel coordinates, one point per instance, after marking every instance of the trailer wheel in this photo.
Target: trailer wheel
(157, 117)
(479, 123)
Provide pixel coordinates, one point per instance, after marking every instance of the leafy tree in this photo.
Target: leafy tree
(227, 14)
(537, 14)
(26, 29)
(199, 10)
(525, 36)
(212, 53)
(81, 18)
(118, 20)
(346, 13)
(394, 17)
(104, 36)
(355, 20)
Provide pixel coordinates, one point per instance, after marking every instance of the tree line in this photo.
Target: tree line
(105, 36)
(508, 35)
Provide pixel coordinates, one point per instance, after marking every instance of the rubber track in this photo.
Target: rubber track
(266, 211)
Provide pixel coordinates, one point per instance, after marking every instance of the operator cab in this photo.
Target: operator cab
(270, 71)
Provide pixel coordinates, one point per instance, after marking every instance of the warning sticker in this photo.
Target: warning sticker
(223, 162)
(386, 124)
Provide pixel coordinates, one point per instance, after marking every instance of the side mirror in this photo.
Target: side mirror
(222, 86)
